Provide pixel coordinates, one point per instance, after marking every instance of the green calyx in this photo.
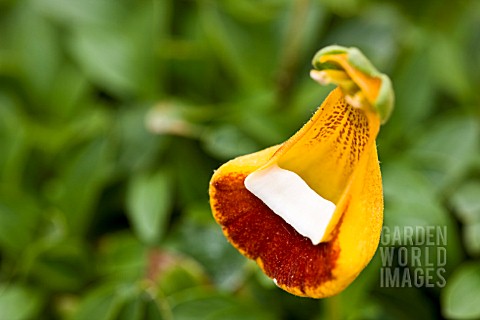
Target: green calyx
(325, 63)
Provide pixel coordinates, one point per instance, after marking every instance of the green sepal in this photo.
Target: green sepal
(384, 103)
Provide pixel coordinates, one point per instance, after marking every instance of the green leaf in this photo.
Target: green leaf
(157, 310)
(81, 13)
(107, 57)
(176, 273)
(471, 238)
(206, 244)
(64, 266)
(466, 202)
(460, 298)
(19, 303)
(449, 66)
(414, 91)
(122, 257)
(138, 147)
(80, 183)
(66, 90)
(133, 310)
(149, 201)
(228, 141)
(447, 149)
(192, 171)
(103, 302)
(201, 304)
(227, 41)
(401, 303)
(18, 221)
(410, 200)
(39, 69)
(13, 142)
(252, 10)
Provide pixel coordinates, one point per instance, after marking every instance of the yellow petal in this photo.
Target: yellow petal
(335, 155)
(327, 149)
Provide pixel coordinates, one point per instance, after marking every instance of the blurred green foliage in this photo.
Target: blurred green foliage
(114, 114)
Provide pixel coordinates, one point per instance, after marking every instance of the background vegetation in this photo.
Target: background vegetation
(114, 114)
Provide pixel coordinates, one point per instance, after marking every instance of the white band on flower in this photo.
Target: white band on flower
(290, 197)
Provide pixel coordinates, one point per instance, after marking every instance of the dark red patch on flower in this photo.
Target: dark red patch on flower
(258, 232)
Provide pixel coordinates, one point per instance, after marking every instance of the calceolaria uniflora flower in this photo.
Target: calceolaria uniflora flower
(310, 211)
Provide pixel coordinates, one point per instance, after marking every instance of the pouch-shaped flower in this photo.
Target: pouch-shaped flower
(310, 211)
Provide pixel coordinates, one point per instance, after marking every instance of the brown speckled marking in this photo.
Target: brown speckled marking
(349, 127)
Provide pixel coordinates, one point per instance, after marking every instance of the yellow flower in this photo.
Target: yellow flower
(310, 211)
